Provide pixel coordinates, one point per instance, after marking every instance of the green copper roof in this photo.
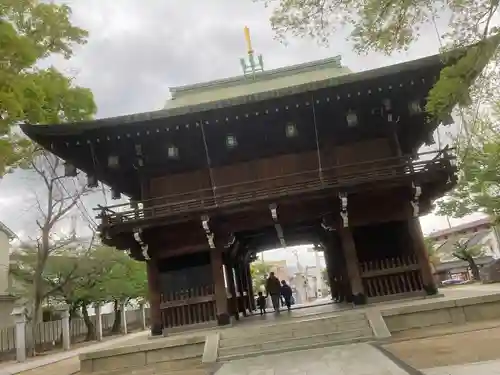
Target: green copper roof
(268, 81)
(285, 84)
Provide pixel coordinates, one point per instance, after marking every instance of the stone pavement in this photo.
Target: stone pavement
(480, 368)
(66, 363)
(354, 359)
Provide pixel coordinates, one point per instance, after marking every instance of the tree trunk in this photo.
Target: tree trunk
(117, 324)
(88, 323)
(474, 269)
(36, 311)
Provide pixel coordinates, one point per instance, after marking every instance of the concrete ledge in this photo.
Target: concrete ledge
(148, 346)
(477, 299)
(436, 313)
(377, 323)
(189, 328)
(410, 309)
(211, 350)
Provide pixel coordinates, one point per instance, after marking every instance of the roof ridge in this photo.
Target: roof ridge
(232, 81)
(7, 231)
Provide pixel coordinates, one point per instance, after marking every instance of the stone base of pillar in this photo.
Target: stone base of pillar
(223, 319)
(430, 290)
(156, 330)
(359, 299)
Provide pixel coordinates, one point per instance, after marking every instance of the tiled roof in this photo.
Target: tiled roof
(7, 231)
(459, 228)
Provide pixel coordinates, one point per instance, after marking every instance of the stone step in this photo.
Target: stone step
(302, 344)
(306, 339)
(192, 363)
(289, 332)
(185, 371)
(343, 320)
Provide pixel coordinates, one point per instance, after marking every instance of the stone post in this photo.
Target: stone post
(98, 321)
(66, 338)
(142, 307)
(19, 315)
(123, 312)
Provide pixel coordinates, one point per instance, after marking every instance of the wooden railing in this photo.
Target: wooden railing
(290, 184)
(391, 276)
(187, 307)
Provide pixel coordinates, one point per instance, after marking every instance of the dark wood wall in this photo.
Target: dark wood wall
(180, 183)
(185, 272)
(390, 239)
(273, 172)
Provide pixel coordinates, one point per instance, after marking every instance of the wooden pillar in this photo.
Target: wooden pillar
(352, 265)
(330, 270)
(417, 237)
(220, 289)
(233, 302)
(238, 270)
(251, 295)
(154, 292)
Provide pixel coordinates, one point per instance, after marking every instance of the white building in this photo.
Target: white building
(7, 301)
(480, 232)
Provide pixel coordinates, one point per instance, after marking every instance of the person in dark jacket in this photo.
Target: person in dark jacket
(273, 289)
(286, 293)
(261, 302)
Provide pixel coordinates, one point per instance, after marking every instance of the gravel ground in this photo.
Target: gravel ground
(445, 348)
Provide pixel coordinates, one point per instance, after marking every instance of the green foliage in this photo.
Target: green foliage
(393, 25)
(432, 251)
(478, 188)
(468, 253)
(31, 31)
(259, 271)
(80, 276)
(465, 252)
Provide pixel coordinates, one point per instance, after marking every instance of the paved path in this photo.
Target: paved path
(480, 368)
(355, 359)
(67, 363)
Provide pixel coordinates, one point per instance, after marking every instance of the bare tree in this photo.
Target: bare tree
(54, 203)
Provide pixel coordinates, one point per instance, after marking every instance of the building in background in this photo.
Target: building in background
(481, 234)
(280, 269)
(7, 300)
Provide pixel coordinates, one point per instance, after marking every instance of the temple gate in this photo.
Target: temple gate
(305, 154)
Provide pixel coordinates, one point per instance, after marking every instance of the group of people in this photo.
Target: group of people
(278, 291)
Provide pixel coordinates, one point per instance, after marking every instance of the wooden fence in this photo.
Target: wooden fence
(49, 333)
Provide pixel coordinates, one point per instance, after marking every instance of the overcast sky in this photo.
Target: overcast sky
(138, 49)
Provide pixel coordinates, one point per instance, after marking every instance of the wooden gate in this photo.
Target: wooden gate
(189, 306)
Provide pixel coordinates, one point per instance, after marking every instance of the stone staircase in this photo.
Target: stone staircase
(157, 357)
(295, 334)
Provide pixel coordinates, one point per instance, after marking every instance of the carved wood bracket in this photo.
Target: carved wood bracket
(273, 207)
(144, 246)
(415, 202)
(343, 209)
(208, 232)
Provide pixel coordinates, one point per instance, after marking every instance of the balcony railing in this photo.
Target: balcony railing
(344, 176)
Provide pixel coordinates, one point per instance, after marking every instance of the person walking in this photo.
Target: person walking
(286, 293)
(273, 289)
